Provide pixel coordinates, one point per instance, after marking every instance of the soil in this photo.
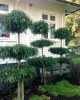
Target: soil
(30, 90)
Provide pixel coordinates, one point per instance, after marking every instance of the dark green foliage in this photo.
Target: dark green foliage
(16, 21)
(64, 60)
(42, 61)
(42, 97)
(18, 52)
(61, 33)
(59, 51)
(13, 74)
(40, 27)
(63, 88)
(41, 43)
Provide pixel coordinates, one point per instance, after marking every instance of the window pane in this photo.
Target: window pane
(52, 29)
(45, 17)
(4, 7)
(52, 18)
(2, 32)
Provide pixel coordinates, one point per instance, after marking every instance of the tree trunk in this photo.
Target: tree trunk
(61, 42)
(22, 90)
(61, 63)
(19, 90)
(44, 75)
(18, 38)
(19, 86)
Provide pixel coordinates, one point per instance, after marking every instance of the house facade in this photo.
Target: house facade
(51, 11)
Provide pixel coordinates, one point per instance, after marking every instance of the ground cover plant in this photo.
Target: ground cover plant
(63, 88)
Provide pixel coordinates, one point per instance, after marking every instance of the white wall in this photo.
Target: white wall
(35, 12)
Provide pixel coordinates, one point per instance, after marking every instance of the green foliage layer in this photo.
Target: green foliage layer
(63, 88)
(42, 61)
(40, 27)
(59, 51)
(42, 97)
(18, 52)
(61, 33)
(13, 74)
(41, 43)
(64, 60)
(16, 21)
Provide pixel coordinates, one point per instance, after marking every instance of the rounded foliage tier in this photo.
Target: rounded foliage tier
(16, 22)
(18, 52)
(59, 51)
(40, 27)
(15, 73)
(64, 60)
(41, 43)
(61, 33)
(42, 61)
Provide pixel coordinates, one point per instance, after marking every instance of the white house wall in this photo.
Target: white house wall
(35, 12)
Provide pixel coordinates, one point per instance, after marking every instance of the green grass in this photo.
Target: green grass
(63, 88)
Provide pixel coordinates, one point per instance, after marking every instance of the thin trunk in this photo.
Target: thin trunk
(42, 51)
(18, 38)
(60, 69)
(19, 86)
(22, 90)
(61, 42)
(19, 90)
(44, 75)
(61, 63)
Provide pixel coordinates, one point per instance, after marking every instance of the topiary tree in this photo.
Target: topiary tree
(16, 22)
(41, 44)
(40, 27)
(42, 62)
(19, 72)
(61, 33)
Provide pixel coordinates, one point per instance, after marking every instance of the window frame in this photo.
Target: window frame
(50, 22)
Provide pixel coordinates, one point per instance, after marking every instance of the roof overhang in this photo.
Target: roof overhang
(70, 7)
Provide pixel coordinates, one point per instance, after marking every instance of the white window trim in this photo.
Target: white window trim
(49, 21)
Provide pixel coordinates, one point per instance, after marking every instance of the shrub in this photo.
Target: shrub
(63, 88)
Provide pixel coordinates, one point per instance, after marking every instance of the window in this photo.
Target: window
(4, 7)
(44, 17)
(52, 29)
(52, 18)
(2, 32)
